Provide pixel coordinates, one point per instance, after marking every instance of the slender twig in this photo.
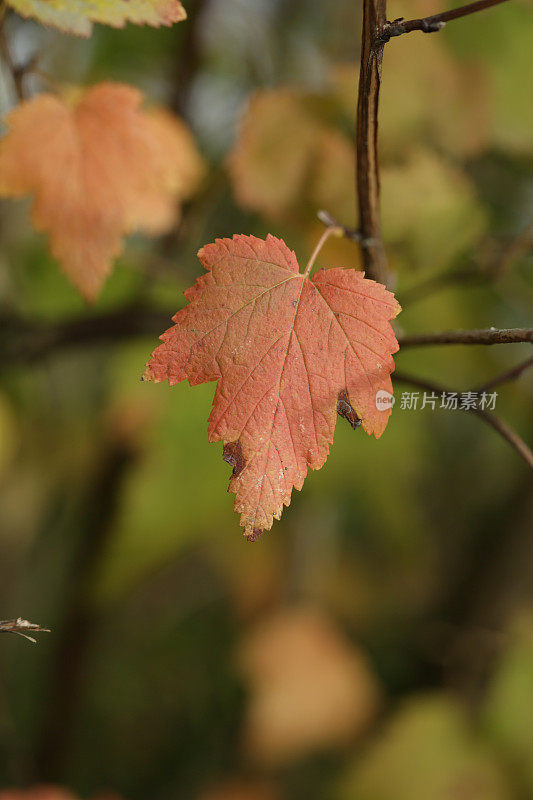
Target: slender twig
(491, 419)
(488, 336)
(508, 375)
(435, 22)
(367, 172)
(22, 628)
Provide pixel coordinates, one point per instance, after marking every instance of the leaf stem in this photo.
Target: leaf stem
(332, 230)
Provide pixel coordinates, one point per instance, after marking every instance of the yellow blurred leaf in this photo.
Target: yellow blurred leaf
(273, 157)
(333, 185)
(427, 752)
(509, 78)
(507, 715)
(429, 209)
(428, 95)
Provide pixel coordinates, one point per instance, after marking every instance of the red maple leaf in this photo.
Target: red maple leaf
(289, 354)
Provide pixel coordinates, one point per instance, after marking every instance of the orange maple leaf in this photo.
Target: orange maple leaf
(289, 354)
(99, 168)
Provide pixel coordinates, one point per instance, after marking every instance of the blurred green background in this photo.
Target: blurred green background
(377, 643)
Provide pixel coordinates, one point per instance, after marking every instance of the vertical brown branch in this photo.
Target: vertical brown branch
(188, 58)
(374, 258)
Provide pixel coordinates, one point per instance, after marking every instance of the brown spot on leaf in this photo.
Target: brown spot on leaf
(254, 536)
(344, 409)
(232, 454)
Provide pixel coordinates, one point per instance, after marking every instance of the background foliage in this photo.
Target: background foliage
(383, 630)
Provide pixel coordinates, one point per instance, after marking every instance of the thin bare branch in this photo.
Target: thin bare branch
(501, 427)
(487, 336)
(435, 22)
(22, 627)
(367, 172)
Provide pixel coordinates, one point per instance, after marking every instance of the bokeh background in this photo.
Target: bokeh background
(377, 644)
